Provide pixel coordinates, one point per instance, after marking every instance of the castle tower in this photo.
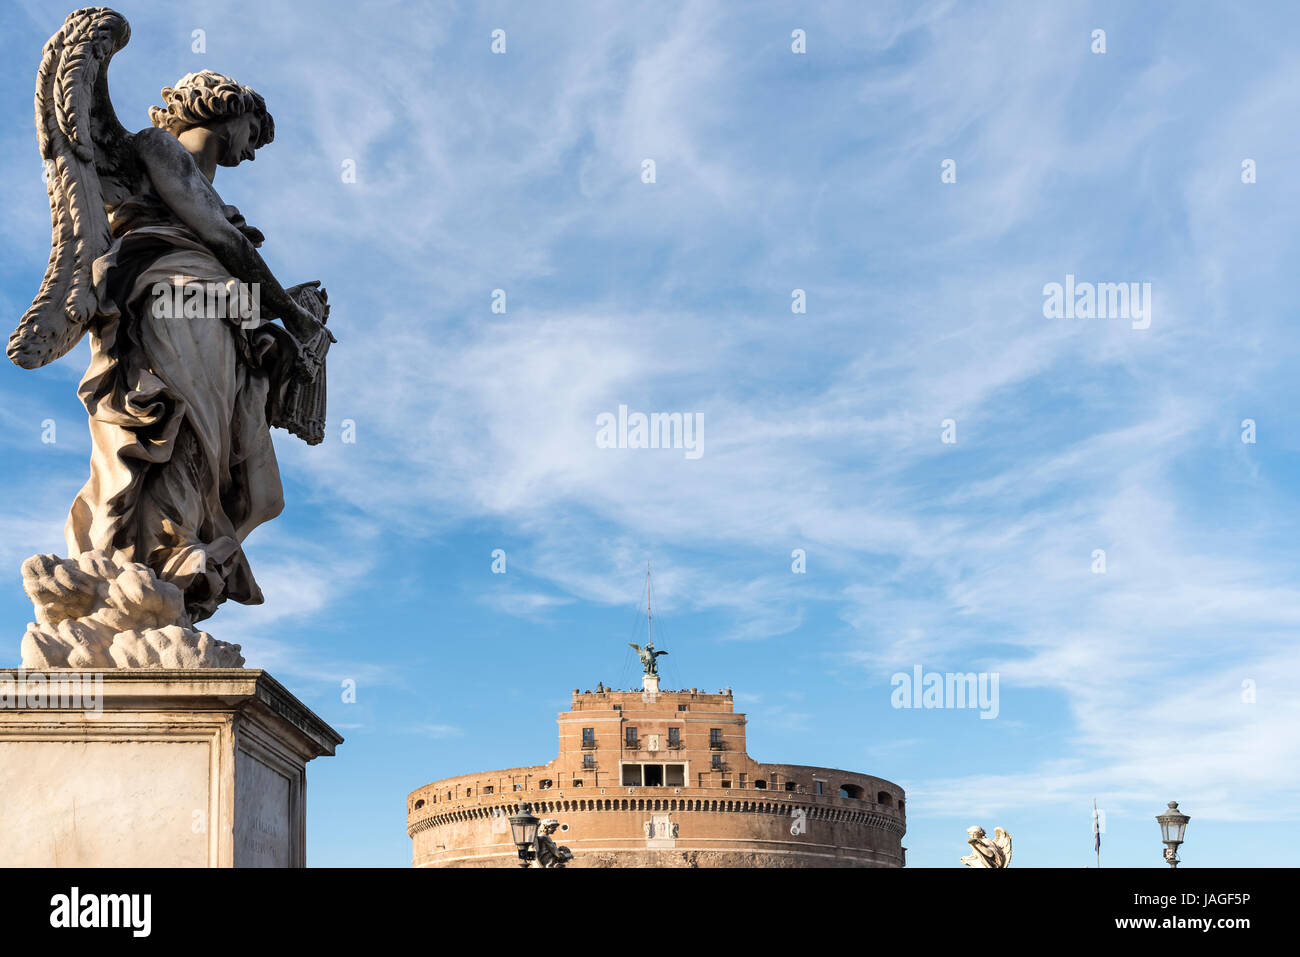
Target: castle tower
(656, 778)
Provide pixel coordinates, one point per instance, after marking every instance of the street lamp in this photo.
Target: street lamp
(1172, 825)
(523, 828)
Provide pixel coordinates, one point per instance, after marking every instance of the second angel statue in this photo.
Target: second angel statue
(188, 371)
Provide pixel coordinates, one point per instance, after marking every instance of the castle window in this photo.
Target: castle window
(852, 791)
(761, 784)
(469, 792)
(630, 734)
(681, 707)
(588, 737)
(790, 785)
(901, 805)
(726, 784)
(588, 760)
(885, 798)
(489, 789)
(717, 762)
(674, 737)
(631, 775)
(418, 805)
(577, 783)
(519, 787)
(819, 787)
(715, 737)
(675, 775)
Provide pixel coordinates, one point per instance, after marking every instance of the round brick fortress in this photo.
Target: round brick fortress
(662, 779)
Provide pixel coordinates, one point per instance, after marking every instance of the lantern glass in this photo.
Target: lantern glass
(1173, 824)
(523, 828)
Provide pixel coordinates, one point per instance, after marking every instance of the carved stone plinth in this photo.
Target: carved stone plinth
(196, 768)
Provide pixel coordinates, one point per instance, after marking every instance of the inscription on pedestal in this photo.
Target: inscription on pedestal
(263, 818)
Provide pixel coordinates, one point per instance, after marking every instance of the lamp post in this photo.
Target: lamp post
(1172, 825)
(523, 828)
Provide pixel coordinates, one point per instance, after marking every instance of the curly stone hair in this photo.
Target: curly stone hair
(207, 97)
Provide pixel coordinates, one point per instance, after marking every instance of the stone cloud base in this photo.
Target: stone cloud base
(198, 768)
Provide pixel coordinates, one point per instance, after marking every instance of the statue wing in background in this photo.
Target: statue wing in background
(88, 162)
(1002, 840)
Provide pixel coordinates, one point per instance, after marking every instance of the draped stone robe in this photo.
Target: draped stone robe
(182, 467)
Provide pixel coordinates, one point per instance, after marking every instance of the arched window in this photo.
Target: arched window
(851, 791)
(760, 784)
(419, 804)
(885, 798)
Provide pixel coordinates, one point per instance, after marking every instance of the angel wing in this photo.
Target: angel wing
(1002, 841)
(88, 162)
(635, 647)
(658, 653)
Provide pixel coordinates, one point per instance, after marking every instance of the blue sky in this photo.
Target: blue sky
(775, 171)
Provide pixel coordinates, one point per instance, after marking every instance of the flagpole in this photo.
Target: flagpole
(1096, 829)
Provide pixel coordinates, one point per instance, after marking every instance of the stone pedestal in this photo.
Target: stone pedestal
(201, 768)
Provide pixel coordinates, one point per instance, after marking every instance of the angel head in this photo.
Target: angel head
(217, 104)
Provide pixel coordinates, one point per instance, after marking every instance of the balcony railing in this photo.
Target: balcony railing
(674, 745)
(717, 746)
(589, 744)
(632, 744)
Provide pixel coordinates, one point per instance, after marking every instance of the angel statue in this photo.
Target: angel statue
(994, 853)
(188, 372)
(648, 656)
(550, 854)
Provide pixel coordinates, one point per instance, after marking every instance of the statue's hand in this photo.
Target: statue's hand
(306, 323)
(312, 292)
(312, 339)
(302, 324)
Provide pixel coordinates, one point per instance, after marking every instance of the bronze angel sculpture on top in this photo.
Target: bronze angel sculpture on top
(187, 372)
(649, 657)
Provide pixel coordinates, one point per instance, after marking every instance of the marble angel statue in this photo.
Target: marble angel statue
(985, 852)
(187, 374)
